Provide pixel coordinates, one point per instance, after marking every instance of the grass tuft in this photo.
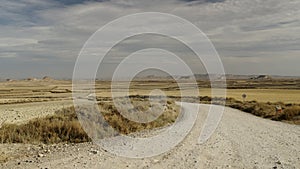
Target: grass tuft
(64, 125)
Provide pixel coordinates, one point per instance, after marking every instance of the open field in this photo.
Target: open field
(38, 112)
(44, 97)
(287, 91)
(261, 95)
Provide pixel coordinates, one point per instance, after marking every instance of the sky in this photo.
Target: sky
(44, 37)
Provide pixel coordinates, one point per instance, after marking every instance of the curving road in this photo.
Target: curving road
(240, 141)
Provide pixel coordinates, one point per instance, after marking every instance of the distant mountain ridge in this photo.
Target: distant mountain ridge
(220, 77)
(177, 77)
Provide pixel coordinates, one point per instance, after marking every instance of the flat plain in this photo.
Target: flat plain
(24, 100)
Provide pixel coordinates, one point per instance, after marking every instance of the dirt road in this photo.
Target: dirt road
(240, 141)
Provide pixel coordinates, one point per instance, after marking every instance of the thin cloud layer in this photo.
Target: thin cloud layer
(45, 36)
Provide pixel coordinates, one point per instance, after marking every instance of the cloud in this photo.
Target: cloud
(14, 42)
(243, 31)
(7, 55)
(74, 2)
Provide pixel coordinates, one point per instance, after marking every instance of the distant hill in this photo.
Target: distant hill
(179, 77)
(215, 76)
(47, 78)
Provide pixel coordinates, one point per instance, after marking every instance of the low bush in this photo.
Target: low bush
(64, 125)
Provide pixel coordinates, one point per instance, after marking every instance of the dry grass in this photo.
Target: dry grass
(290, 112)
(64, 125)
(260, 95)
(283, 90)
(125, 126)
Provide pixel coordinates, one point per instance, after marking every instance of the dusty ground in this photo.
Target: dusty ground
(24, 100)
(240, 141)
(20, 113)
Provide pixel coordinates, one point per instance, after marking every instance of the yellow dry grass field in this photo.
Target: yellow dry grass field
(40, 111)
(54, 90)
(261, 95)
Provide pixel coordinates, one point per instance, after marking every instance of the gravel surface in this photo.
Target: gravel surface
(240, 141)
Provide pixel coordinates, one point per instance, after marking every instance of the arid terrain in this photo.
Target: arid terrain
(242, 140)
(149, 84)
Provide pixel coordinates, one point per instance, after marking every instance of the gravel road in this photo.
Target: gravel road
(240, 141)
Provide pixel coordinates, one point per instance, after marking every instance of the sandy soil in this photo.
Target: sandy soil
(20, 113)
(241, 141)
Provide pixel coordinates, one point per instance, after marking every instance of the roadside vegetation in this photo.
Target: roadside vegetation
(289, 113)
(64, 125)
